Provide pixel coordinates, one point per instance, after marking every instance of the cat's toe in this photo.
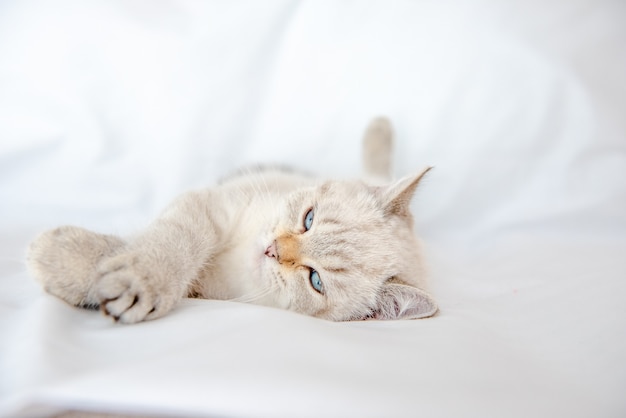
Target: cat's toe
(126, 291)
(116, 306)
(123, 298)
(129, 308)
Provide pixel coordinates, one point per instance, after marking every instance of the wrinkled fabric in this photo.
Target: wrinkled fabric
(108, 110)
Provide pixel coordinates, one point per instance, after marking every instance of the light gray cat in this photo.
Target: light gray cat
(339, 250)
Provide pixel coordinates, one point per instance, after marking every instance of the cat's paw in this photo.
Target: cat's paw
(132, 288)
(64, 260)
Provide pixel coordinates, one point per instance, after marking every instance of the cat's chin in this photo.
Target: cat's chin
(250, 275)
(265, 281)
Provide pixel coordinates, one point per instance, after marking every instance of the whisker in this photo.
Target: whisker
(251, 297)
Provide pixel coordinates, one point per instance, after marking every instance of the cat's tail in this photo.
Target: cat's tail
(377, 150)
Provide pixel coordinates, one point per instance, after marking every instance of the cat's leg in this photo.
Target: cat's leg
(156, 268)
(377, 149)
(64, 261)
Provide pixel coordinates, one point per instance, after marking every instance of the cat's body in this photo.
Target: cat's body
(339, 250)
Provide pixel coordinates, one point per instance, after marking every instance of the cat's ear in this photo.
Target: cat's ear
(397, 196)
(400, 301)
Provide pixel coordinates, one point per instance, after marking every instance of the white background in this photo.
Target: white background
(110, 109)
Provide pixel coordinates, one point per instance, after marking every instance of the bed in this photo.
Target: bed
(109, 109)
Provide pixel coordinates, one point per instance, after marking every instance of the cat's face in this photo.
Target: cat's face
(345, 250)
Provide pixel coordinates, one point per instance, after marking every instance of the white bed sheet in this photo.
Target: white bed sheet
(109, 109)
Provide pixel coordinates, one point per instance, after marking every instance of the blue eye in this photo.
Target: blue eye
(308, 220)
(316, 282)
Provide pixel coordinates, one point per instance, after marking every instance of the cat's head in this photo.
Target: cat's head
(345, 251)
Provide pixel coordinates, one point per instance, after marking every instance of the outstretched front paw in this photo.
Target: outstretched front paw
(64, 261)
(132, 289)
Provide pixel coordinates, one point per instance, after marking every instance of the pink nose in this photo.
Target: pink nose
(271, 250)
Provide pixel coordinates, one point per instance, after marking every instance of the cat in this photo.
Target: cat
(338, 250)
